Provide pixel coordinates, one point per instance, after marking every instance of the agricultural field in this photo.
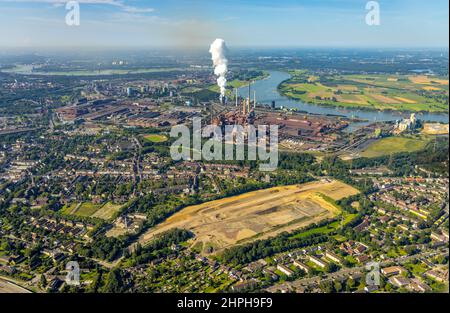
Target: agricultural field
(88, 209)
(415, 93)
(254, 215)
(392, 145)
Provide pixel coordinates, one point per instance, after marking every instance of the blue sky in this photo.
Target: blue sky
(182, 23)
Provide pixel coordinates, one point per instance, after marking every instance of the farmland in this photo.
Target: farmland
(418, 93)
(259, 214)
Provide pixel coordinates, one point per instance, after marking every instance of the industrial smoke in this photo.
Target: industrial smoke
(218, 52)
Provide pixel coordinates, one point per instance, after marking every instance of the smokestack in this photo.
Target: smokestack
(218, 50)
(254, 99)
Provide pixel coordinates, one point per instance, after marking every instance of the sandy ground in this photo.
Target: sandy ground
(226, 222)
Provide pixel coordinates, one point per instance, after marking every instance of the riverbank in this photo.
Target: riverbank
(359, 107)
(394, 93)
(267, 91)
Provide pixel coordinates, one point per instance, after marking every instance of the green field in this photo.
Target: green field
(413, 93)
(68, 208)
(156, 138)
(89, 209)
(392, 145)
(107, 211)
(327, 228)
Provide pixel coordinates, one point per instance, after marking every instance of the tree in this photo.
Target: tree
(350, 285)
(331, 268)
(337, 286)
(94, 287)
(43, 281)
(410, 250)
(114, 283)
(327, 286)
(388, 287)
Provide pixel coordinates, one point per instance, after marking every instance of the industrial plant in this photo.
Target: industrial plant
(243, 113)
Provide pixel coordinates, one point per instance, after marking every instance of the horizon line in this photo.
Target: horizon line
(201, 47)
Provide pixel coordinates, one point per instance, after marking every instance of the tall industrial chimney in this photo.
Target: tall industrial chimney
(254, 99)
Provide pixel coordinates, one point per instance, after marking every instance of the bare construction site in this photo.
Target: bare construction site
(254, 215)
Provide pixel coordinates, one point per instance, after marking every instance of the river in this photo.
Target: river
(266, 92)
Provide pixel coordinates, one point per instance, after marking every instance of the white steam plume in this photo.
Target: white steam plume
(218, 52)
